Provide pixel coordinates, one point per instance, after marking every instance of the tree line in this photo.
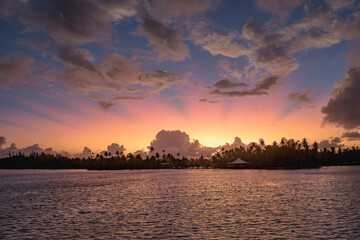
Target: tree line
(288, 154)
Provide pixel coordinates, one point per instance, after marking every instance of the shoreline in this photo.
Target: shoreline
(192, 168)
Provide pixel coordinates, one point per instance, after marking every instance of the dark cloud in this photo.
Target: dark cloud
(78, 57)
(235, 93)
(265, 85)
(301, 97)
(205, 100)
(343, 108)
(75, 22)
(351, 135)
(129, 98)
(160, 79)
(106, 105)
(167, 41)
(228, 84)
(261, 89)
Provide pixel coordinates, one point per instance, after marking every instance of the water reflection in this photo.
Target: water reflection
(189, 204)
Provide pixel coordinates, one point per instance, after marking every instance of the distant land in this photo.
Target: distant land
(285, 155)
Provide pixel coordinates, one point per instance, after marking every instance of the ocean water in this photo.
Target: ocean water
(187, 204)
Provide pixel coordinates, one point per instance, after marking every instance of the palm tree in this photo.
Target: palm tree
(262, 142)
(305, 144)
(315, 146)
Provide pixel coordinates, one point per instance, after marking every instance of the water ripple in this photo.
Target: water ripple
(186, 204)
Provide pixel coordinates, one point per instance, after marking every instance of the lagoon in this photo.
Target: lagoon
(181, 203)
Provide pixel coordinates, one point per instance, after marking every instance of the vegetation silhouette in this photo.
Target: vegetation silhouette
(289, 154)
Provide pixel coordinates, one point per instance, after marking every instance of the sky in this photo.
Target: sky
(184, 76)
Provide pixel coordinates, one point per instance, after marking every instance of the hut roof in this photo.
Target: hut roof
(238, 161)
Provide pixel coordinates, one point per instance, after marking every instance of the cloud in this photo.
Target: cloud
(8, 7)
(142, 153)
(351, 135)
(15, 70)
(160, 79)
(36, 148)
(268, 47)
(77, 57)
(236, 144)
(86, 153)
(115, 74)
(5, 152)
(37, 44)
(105, 105)
(167, 41)
(27, 150)
(75, 22)
(260, 89)
(168, 11)
(338, 5)
(321, 28)
(335, 142)
(229, 72)
(228, 84)
(269, 53)
(205, 100)
(301, 97)
(281, 8)
(114, 148)
(2, 141)
(343, 107)
(129, 98)
(175, 142)
(268, 56)
(217, 44)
